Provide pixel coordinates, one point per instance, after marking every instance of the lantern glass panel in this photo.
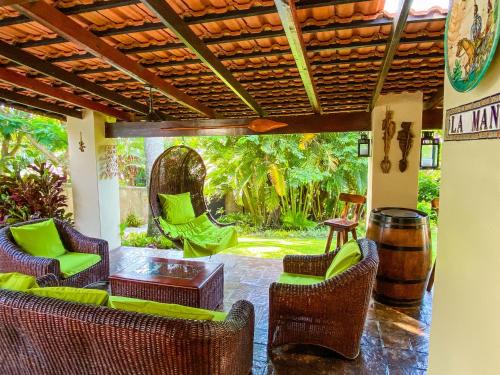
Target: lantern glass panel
(364, 149)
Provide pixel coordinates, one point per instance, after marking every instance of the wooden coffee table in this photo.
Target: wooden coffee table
(184, 282)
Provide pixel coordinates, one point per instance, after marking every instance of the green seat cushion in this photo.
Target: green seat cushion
(348, 255)
(17, 281)
(163, 309)
(39, 239)
(80, 295)
(298, 279)
(177, 209)
(72, 263)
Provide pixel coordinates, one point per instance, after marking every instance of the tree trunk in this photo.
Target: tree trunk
(153, 147)
(44, 150)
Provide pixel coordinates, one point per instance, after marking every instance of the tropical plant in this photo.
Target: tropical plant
(37, 192)
(132, 220)
(143, 240)
(290, 180)
(131, 161)
(37, 137)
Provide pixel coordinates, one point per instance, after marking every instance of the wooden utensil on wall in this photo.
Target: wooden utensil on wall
(405, 138)
(389, 128)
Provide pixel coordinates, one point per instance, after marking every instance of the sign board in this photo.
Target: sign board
(476, 120)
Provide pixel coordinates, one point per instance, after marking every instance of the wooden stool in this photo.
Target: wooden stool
(343, 227)
(347, 221)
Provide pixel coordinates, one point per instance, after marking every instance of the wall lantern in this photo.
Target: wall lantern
(429, 151)
(364, 146)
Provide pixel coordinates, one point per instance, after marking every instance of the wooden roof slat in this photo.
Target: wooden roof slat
(28, 101)
(171, 19)
(19, 80)
(24, 58)
(53, 19)
(399, 23)
(291, 25)
(310, 29)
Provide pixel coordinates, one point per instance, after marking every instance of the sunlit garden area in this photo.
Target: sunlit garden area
(276, 190)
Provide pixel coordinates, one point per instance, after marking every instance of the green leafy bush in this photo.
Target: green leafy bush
(37, 192)
(143, 240)
(133, 220)
(428, 185)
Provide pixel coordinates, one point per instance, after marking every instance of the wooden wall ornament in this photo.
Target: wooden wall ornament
(389, 128)
(405, 138)
(471, 38)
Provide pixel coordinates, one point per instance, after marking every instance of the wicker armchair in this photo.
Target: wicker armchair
(46, 336)
(331, 314)
(13, 259)
(179, 169)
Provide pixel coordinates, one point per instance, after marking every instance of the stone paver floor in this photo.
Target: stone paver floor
(395, 340)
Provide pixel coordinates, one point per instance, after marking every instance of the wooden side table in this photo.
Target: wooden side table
(343, 227)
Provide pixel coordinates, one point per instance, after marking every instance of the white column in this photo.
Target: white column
(94, 178)
(396, 189)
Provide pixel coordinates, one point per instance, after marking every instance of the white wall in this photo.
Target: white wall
(465, 328)
(395, 189)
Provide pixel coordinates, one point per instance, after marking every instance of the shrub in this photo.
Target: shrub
(143, 240)
(428, 185)
(132, 220)
(37, 192)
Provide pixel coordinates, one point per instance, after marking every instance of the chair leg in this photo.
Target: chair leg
(340, 236)
(354, 234)
(329, 240)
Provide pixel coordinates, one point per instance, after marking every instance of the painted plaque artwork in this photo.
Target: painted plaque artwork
(472, 33)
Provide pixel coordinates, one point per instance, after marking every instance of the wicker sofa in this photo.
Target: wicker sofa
(13, 259)
(40, 335)
(332, 313)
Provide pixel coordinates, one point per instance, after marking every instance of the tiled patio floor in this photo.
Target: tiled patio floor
(395, 340)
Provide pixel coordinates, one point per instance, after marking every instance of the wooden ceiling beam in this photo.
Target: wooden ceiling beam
(435, 100)
(50, 17)
(336, 122)
(291, 25)
(37, 86)
(398, 26)
(174, 22)
(28, 101)
(24, 58)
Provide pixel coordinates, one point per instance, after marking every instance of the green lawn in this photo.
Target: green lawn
(277, 248)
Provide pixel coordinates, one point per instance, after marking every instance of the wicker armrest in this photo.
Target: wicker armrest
(241, 313)
(315, 265)
(47, 280)
(77, 242)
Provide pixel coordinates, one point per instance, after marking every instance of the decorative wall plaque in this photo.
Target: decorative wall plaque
(389, 128)
(476, 120)
(472, 33)
(405, 138)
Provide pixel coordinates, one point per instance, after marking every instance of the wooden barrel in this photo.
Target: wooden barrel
(403, 239)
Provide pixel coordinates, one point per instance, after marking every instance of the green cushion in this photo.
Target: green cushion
(39, 239)
(80, 295)
(298, 279)
(72, 263)
(177, 209)
(17, 281)
(163, 309)
(348, 255)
